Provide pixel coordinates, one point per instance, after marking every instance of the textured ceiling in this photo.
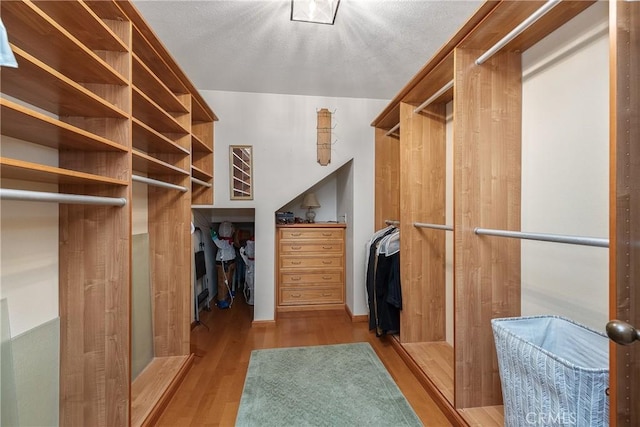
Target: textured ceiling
(372, 51)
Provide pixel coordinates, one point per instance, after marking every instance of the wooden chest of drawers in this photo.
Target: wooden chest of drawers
(310, 266)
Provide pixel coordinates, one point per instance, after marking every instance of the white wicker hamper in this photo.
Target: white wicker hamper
(554, 372)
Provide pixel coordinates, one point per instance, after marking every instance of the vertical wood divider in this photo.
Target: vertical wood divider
(170, 245)
(487, 157)
(422, 199)
(387, 178)
(94, 279)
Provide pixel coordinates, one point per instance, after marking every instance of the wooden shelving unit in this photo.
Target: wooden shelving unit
(202, 153)
(410, 187)
(95, 84)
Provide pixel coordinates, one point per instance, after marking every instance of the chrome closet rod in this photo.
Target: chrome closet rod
(392, 130)
(157, 183)
(517, 30)
(200, 182)
(546, 237)
(434, 226)
(76, 199)
(433, 97)
(391, 222)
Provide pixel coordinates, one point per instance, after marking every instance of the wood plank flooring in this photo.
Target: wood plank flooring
(210, 393)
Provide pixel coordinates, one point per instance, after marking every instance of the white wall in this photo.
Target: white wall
(29, 246)
(326, 192)
(565, 169)
(282, 131)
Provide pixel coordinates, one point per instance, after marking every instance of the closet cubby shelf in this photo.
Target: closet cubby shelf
(144, 163)
(200, 113)
(145, 109)
(95, 84)
(81, 21)
(43, 38)
(107, 10)
(22, 123)
(148, 139)
(147, 82)
(200, 174)
(148, 54)
(27, 171)
(42, 86)
(197, 145)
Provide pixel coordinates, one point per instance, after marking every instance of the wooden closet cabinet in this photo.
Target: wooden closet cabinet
(310, 267)
(411, 186)
(95, 84)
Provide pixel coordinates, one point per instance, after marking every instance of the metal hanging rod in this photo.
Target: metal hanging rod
(392, 130)
(201, 182)
(391, 222)
(546, 237)
(75, 199)
(157, 183)
(434, 226)
(433, 97)
(517, 30)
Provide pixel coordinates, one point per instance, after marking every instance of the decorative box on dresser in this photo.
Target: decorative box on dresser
(310, 266)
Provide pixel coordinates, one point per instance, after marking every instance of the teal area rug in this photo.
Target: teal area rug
(332, 385)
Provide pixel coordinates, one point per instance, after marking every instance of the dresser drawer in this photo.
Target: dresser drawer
(320, 248)
(311, 234)
(298, 296)
(305, 279)
(301, 262)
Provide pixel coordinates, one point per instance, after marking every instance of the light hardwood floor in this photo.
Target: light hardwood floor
(210, 393)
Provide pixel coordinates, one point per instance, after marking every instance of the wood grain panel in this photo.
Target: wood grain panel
(27, 171)
(170, 245)
(422, 199)
(624, 253)
(436, 79)
(40, 85)
(487, 157)
(487, 416)
(509, 14)
(436, 361)
(94, 313)
(81, 21)
(22, 123)
(387, 179)
(154, 385)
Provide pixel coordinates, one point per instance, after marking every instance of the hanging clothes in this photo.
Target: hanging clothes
(384, 293)
(248, 253)
(370, 264)
(225, 262)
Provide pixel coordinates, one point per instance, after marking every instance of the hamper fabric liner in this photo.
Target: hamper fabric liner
(554, 372)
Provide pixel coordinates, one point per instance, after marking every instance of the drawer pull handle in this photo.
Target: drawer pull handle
(296, 278)
(296, 262)
(295, 248)
(326, 294)
(327, 234)
(327, 262)
(327, 247)
(296, 234)
(326, 277)
(296, 295)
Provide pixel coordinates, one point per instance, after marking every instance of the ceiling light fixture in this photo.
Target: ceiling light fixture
(316, 11)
